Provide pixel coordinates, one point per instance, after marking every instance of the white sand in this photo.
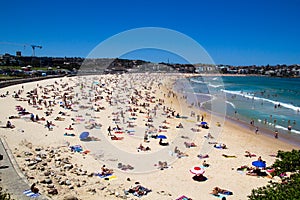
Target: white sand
(165, 184)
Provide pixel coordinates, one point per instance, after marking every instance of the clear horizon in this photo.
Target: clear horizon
(232, 32)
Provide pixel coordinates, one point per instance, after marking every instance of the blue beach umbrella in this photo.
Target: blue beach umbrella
(162, 137)
(84, 135)
(201, 123)
(259, 164)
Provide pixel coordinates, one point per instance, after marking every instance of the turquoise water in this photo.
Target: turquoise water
(273, 103)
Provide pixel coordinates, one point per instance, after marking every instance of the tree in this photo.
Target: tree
(289, 188)
(287, 162)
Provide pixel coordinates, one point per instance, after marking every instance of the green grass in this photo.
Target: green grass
(5, 77)
(19, 67)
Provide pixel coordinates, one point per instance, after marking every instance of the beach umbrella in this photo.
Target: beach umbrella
(162, 137)
(197, 170)
(84, 135)
(201, 123)
(259, 164)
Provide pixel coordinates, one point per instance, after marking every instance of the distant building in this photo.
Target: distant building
(18, 53)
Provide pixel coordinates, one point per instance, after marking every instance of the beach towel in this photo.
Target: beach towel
(183, 198)
(117, 138)
(103, 176)
(30, 194)
(219, 195)
(76, 148)
(227, 156)
(119, 132)
(69, 134)
(110, 178)
(107, 177)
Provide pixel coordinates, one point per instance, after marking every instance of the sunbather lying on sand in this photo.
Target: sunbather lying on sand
(189, 144)
(220, 146)
(59, 119)
(256, 172)
(195, 129)
(202, 156)
(179, 153)
(162, 165)
(248, 154)
(216, 191)
(142, 148)
(228, 156)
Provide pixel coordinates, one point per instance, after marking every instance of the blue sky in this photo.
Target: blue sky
(233, 32)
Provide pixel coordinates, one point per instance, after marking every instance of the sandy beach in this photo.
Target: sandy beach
(145, 134)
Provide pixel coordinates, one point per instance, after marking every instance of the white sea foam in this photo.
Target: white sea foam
(214, 86)
(284, 128)
(196, 81)
(240, 93)
(279, 127)
(230, 103)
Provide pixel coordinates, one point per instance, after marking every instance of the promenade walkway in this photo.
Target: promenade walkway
(12, 179)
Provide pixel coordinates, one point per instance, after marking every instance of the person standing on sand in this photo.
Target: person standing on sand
(276, 134)
(109, 131)
(256, 130)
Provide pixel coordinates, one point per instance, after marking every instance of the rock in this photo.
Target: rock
(50, 186)
(61, 182)
(53, 191)
(38, 149)
(27, 159)
(42, 168)
(48, 181)
(71, 187)
(68, 166)
(66, 161)
(58, 159)
(70, 198)
(68, 182)
(38, 159)
(31, 163)
(92, 190)
(27, 153)
(47, 173)
(32, 167)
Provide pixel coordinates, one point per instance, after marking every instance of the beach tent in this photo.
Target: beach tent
(84, 135)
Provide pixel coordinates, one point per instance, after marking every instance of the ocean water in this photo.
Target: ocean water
(272, 103)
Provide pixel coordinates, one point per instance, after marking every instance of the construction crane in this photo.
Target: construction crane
(33, 48)
(24, 45)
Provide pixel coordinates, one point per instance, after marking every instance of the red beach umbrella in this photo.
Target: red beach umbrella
(197, 170)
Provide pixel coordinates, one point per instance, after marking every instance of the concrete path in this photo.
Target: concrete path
(12, 179)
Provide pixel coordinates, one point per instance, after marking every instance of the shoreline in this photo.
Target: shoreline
(291, 138)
